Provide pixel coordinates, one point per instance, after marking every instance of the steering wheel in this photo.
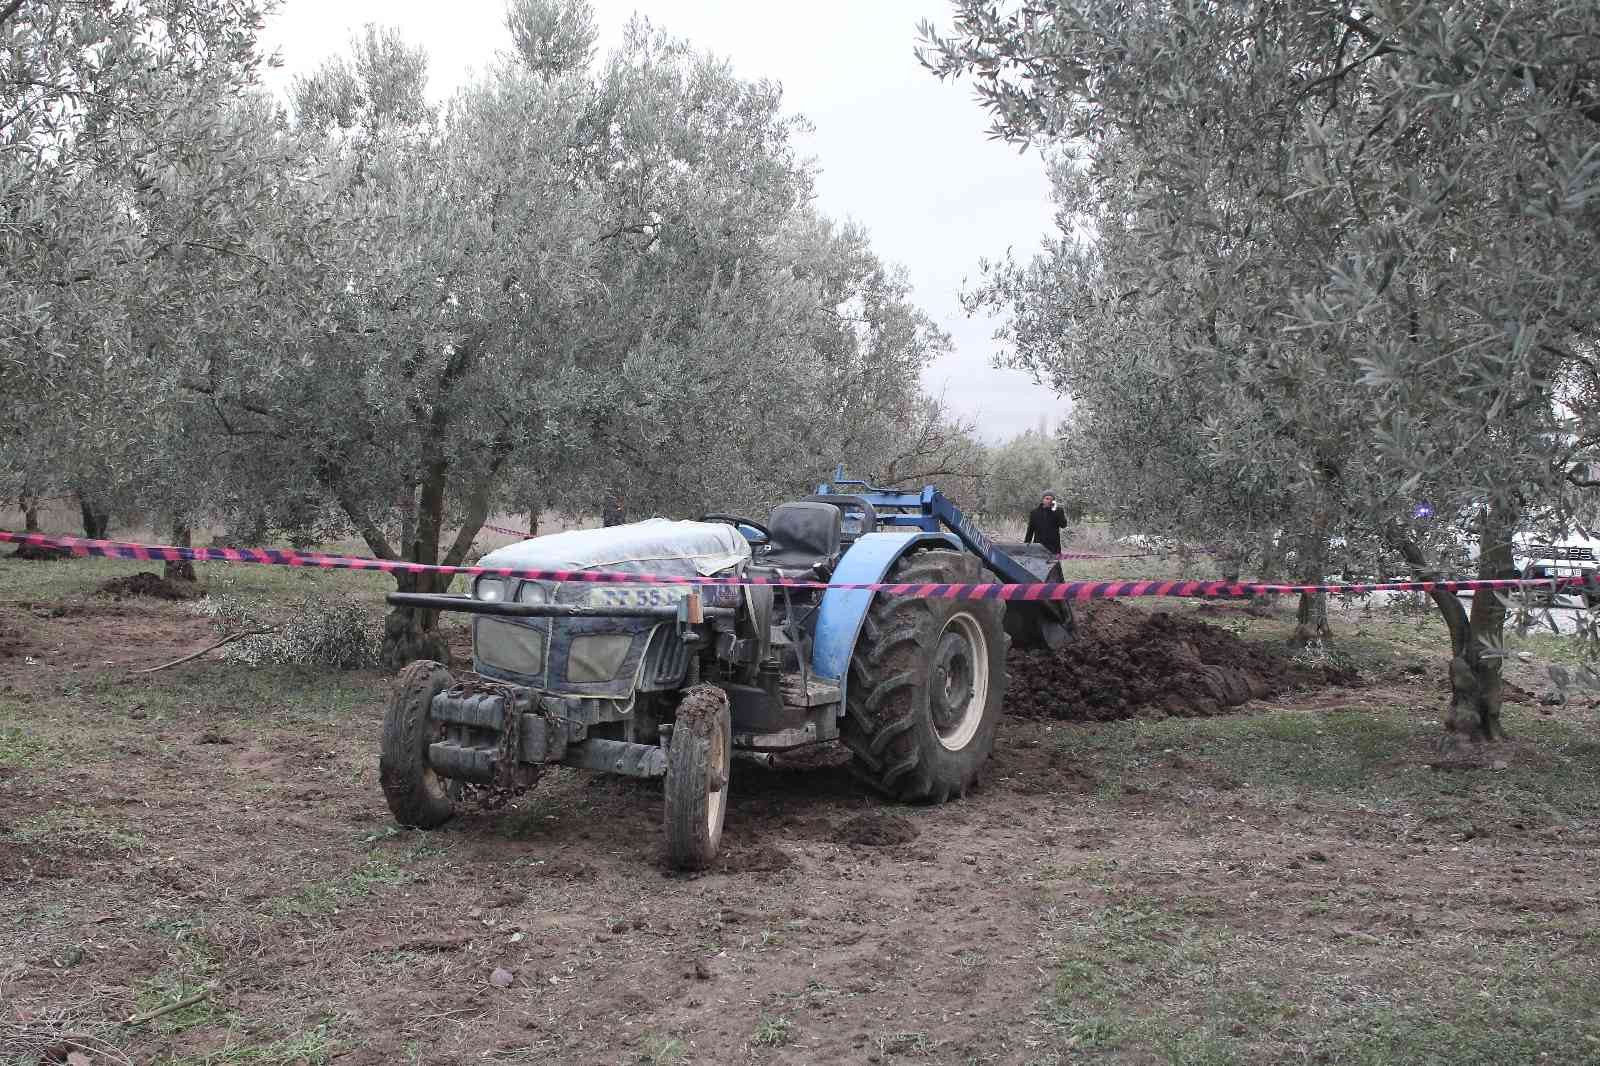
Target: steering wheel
(738, 520)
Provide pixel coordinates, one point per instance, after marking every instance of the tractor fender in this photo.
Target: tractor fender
(842, 611)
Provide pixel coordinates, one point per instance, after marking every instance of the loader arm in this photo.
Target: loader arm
(1031, 625)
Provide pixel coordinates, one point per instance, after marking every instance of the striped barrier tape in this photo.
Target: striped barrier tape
(1080, 591)
(508, 531)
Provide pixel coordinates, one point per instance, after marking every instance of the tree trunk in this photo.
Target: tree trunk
(1311, 623)
(180, 569)
(30, 511)
(410, 634)
(1475, 682)
(96, 524)
(1476, 637)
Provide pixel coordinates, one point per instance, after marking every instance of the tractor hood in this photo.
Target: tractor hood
(655, 546)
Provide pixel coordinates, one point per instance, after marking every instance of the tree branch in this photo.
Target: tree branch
(365, 525)
(1455, 615)
(1381, 49)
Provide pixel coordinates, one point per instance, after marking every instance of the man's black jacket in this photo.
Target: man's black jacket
(1044, 526)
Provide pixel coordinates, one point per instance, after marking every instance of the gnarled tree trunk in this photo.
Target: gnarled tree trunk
(1476, 637)
(30, 511)
(96, 523)
(1311, 623)
(180, 569)
(410, 634)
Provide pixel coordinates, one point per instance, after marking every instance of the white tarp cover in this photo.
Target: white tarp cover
(654, 546)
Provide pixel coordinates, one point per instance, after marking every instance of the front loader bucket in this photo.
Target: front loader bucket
(1039, 625)
(1048, 624)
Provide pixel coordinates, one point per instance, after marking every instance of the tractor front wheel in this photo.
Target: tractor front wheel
(926, 684)
(699, 758)
(417, 795)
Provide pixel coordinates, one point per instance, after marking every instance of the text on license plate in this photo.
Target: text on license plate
(637, 595)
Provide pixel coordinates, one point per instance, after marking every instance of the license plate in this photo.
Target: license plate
(638, 595)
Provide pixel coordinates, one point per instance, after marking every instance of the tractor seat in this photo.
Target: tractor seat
(802, 535)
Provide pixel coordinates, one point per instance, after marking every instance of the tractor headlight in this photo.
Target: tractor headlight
(532, 592)
(490, 589)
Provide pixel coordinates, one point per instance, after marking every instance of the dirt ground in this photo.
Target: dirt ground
(1303, 879)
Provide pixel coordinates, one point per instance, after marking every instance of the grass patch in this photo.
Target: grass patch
(1275, 966)
(211, 692)
(1542, 644)
(662, 1050)
(158, 994)
(21, 749)
(321, 898)
(1141, 979)
(771, 1031)
(77, 578)
(75, 829)
(310, 1048)
(1354, 759)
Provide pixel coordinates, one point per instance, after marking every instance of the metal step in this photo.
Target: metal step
(816, 693)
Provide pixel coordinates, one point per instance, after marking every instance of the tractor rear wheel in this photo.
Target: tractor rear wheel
(417, 795)
(927, 681)
(699, 759)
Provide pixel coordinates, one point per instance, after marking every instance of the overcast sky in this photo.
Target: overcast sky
(898, 151)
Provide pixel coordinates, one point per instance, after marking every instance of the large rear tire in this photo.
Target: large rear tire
(927, 682)
(699, 758)
(417, 795)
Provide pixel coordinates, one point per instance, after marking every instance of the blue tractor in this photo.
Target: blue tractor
(675, 680)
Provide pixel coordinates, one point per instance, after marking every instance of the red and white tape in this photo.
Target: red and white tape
(1059, 590)
(508, 531)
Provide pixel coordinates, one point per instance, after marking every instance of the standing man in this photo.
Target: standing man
(612, 514)
(1045, 523)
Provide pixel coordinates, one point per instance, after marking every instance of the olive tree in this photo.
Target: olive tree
(600, 278)
(1430, 166)
(98, 103)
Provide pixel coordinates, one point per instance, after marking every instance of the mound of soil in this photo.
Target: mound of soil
(145, 583)
(876, 829)
(33, 553)
(1124, 662)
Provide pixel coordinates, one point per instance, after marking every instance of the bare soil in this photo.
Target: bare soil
(33, 553)
(222, 827)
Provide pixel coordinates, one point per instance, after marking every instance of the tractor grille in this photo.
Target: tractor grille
(667, 661)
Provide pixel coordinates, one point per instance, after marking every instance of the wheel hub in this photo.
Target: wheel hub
(952, 681)
(958, 687)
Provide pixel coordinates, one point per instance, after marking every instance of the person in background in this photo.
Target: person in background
(1045, 523)
(612, 514)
